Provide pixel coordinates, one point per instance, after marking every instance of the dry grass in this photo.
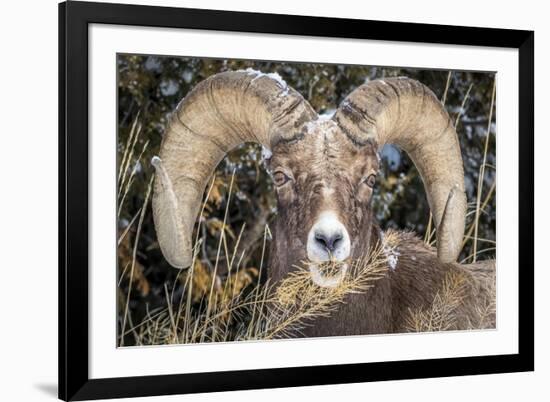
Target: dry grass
(441, 315)
(237, 312)
(482, 174)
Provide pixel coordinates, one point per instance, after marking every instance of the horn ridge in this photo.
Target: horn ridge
(414, 119)
(220, 113)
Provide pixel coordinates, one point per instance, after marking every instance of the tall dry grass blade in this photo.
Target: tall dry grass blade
(148, 318)
(478, 252)
(134, 255)
(222, 234)
(447, 84)
(130, 179)
(129, 141)
(122, 273)
(127, 228)
(191, 270)
(171, 312)
(235, 248)
(133, 332)
(463, 105)
(260, 271)
(482, 170)
(485, 202)
(481, 239)
(131, 150)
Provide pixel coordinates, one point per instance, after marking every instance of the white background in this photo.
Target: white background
(28, 202)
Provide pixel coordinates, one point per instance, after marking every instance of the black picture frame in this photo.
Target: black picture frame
(74, 19)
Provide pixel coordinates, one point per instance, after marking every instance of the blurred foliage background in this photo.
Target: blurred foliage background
(150, 87)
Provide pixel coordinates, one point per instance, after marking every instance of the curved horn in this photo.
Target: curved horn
(219, 114)
(405, 112)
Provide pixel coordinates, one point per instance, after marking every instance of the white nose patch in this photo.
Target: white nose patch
(328, 239)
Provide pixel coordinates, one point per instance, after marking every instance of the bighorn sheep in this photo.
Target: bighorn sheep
(324, 171)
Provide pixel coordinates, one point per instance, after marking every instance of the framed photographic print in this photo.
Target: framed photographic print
(257, 200)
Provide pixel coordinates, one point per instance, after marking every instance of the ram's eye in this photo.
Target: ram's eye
(279, 178)
(370, 180)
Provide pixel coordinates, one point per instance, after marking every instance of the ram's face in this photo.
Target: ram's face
(324, 178)
(324, 185)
